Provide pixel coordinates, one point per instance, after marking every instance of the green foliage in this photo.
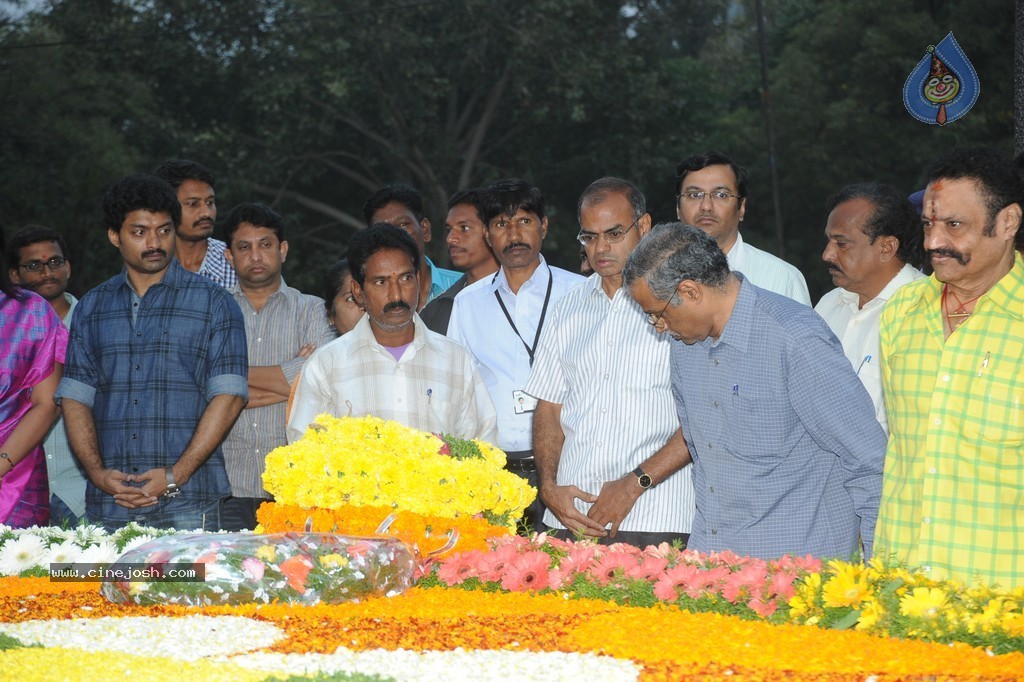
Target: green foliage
(310, 105)
(7, 642)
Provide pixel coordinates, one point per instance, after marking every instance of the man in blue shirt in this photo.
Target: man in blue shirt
(155, 375)
(786, 450)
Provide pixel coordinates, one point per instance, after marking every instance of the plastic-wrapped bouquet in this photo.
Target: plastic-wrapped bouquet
(239, 568)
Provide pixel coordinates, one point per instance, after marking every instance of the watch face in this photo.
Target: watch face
(646, 481)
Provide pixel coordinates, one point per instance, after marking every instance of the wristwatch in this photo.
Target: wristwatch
(172, 488)
(643, 479)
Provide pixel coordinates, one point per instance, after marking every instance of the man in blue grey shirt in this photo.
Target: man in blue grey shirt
(155, 374)
(786, 450)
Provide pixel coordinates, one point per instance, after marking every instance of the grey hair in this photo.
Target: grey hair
(597, 191)
(672, 253)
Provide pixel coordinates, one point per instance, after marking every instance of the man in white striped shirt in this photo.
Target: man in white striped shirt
(606, 437)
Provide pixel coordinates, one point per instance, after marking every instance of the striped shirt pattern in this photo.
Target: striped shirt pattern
(609, 370)
(953, 496)
(434, 387)
(787, 452)
(288, 320)
(149, 380)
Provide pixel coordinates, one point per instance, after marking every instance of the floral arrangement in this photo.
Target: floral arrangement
(241, 568)
(880, 600)
(428, 534)
(30, 551)
(443, 633)
(371, 462)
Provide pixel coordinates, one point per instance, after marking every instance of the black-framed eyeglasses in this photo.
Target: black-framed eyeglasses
(697, 196)
(55, 263)
(612, 236)
(653, 319)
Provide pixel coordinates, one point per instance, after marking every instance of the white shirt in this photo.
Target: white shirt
(768, 271)
(857, 329)
(434, 387)
(609, 370)
(478, 322)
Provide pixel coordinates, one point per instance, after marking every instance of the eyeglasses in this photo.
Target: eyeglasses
(697, 196)
(655, 319)
(55, 263)
(612, 236)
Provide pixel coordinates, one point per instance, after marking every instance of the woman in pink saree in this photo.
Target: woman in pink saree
(32, 346)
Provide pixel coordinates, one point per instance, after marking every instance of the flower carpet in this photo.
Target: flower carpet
(528, 609)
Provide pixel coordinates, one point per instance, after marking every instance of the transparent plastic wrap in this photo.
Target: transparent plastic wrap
(243, 568)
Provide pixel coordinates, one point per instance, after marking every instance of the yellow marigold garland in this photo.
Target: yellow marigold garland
(368, 461)
(427, 533)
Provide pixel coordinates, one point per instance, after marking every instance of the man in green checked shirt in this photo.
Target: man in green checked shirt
(952, 350)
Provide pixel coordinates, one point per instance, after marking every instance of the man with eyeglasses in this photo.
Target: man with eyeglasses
(195, 248)
(711, 193)
(605, 434)
(39, 261)
(787, 454)
(500, 318)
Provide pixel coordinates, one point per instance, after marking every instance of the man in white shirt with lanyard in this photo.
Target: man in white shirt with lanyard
(500, 318)
(711, 193)
(874, 243)
(610, 453)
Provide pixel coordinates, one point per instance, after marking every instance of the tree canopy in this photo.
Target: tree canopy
(310, 105)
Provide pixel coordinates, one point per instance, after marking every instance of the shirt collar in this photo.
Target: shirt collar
(498, 280)
(173, 276)
(908, 273)
(739, 328)
(364, 338)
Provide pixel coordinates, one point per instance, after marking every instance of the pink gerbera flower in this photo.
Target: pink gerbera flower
(527, 571)
(492, 565)
(605, 569)
(456, 569)
(683, 577)
(648, 568)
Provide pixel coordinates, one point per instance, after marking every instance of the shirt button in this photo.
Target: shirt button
(932, 470)
(135, 402)
(709, 446)
(137, 367)
(945, 377)
(714, 531)
(606, 376)
(259, 340)
(715, 403)
(927, 520)
(926, 569)
(138, 333)
(604, 409)
(712, 489)
(134, 436)
(599, 445)
(938, 421)
(716, 363)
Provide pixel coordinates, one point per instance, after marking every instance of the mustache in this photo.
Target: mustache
(515, 245)
(396, 305)
(832, 267)
(949, 253)
(146, 254)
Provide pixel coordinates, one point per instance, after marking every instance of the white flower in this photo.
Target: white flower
(136, 542)
(65, 553)
(103, 553)
(25, 552)
(87, 536)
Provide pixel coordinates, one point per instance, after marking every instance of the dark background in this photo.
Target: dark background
(310, 105)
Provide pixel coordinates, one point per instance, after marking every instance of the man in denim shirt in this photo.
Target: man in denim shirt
(787, 454)
(155, 375)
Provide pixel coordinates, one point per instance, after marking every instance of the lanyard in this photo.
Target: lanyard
(540, 324)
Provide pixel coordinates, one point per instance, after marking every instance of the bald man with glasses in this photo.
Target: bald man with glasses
(609, 450)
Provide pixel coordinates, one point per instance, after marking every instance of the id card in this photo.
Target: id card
(523, 403)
